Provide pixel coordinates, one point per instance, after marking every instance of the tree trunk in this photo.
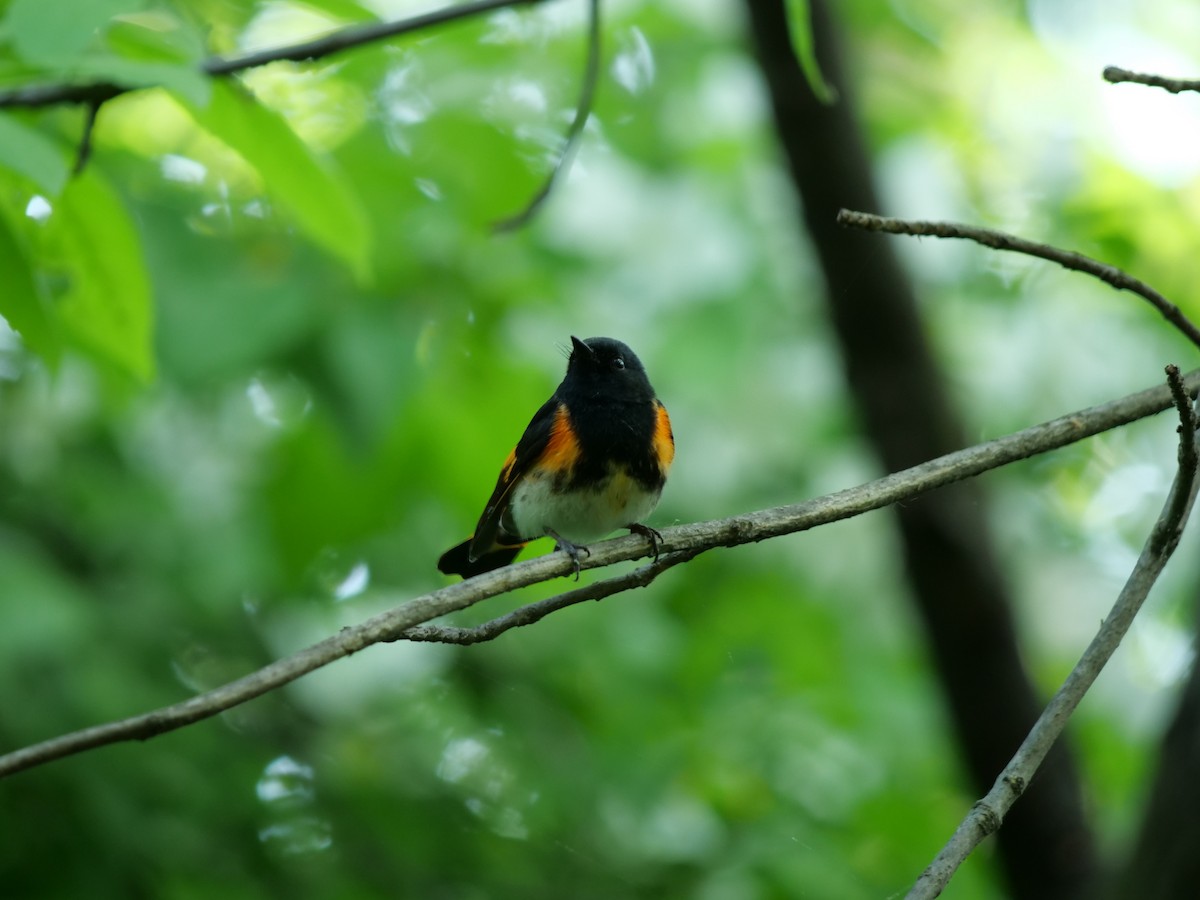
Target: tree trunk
(1045, 846)
(1165, 863)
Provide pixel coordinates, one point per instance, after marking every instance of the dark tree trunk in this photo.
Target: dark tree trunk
(1045, 846)
(1165, 863)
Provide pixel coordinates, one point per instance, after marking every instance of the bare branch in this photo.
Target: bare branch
(1174, 85)
(583, 110)
(535, 612)
(998, 240)
(356, 36)
(987, 815)
(1187, 415)
(1164, 540)
(393, 624)
(335, 42)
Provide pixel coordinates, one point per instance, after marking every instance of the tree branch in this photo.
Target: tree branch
(583, 110)
(535, 612)
(987, 815)
(998, 240)
(96, 94)
(1118, 75)
(217, 66)
(392, 624)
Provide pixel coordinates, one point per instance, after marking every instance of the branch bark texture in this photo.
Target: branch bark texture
(687, 540)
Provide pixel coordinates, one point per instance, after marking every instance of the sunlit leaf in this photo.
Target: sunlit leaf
(303, 183)
(155, 35)
(105, 306)
(31, 154)
(800, 27)
(346, 9)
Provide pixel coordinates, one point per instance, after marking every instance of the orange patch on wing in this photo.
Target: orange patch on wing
(664, 440)
(506, 472)
(562, 450)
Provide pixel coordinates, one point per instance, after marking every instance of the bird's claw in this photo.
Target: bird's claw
(572, 550)
(653, 535)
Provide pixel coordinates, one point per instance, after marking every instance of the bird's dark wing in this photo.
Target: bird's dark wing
(531, 450)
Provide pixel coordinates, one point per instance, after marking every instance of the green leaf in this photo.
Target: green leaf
(304, 184)
(105, 306)
(30, 153)
(155, 35)
(53, 33)
(800, 28)
(151, 49)
(15, 72)
(20, 303)
(350, 10)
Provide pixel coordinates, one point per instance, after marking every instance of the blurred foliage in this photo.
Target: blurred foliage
(270, 356)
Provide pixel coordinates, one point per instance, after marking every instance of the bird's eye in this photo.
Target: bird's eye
(618, 363)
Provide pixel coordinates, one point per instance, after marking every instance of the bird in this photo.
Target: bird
(594, 458)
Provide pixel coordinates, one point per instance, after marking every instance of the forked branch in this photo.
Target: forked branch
(987, 815)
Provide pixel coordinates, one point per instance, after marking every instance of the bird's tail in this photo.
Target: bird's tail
(457, 560)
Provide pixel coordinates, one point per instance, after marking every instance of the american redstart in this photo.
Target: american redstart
(593, 459)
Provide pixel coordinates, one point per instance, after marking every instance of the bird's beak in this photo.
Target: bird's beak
(580, 347)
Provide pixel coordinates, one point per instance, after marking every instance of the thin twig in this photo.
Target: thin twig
(1175, 85)
(327, 45)
(535, 612)
(1188, 459)
(1183, 405)
(583, 110)
(85, 139)
(392, 624)
(998, 240)
(356, 36)
(987, 815)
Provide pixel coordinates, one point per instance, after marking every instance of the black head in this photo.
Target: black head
(603, 365)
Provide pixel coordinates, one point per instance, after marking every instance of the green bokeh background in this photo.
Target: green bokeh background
(271, 355)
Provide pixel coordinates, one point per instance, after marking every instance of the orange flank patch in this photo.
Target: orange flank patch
(562, 450)
(506, 472)
(664, 440)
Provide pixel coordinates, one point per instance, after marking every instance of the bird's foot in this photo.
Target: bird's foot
(572, 550)
(653, 535)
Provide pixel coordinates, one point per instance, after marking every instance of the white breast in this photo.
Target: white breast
(580, 517)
